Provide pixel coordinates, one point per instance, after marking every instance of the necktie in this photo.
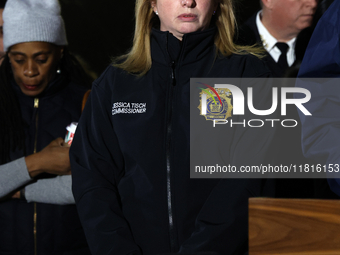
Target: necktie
(283, 47)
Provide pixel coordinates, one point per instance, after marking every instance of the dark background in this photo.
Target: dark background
(102, 29)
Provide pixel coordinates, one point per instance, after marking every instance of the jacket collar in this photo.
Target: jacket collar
(194, 46)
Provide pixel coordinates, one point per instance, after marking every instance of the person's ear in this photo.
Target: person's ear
(154, 7)
(268, 4)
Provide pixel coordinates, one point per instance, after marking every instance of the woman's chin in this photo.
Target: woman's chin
(32, 92)
(190, 28)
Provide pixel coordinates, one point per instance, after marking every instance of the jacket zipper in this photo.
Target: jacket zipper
(173, 243)
(36, 105)
(35, 228)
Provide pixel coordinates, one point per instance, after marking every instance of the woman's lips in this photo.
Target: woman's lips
(187, 17)
(30, 87)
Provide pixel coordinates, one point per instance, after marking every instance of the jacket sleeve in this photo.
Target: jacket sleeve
(222, 223)
(321, 131)
(55, 190)
(97, 164)
(13, 175)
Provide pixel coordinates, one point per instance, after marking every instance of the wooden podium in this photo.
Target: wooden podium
(294, 226)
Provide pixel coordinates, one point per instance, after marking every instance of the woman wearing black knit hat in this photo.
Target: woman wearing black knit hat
(42, 88)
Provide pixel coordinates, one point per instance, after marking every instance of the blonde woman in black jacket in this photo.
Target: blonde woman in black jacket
(130, 156)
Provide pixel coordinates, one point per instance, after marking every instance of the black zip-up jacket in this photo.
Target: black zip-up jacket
(39, 228)
(131, 170)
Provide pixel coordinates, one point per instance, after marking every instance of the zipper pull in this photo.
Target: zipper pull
(173, 73)
(36, 102)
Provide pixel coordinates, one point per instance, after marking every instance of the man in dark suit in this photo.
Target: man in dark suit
(276, 27)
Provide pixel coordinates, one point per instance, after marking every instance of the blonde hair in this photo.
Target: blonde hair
(138, 60)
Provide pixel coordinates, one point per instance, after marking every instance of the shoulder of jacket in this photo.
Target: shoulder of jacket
(331, 17)
(109, 76)
(256, 67)
(249, 65)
